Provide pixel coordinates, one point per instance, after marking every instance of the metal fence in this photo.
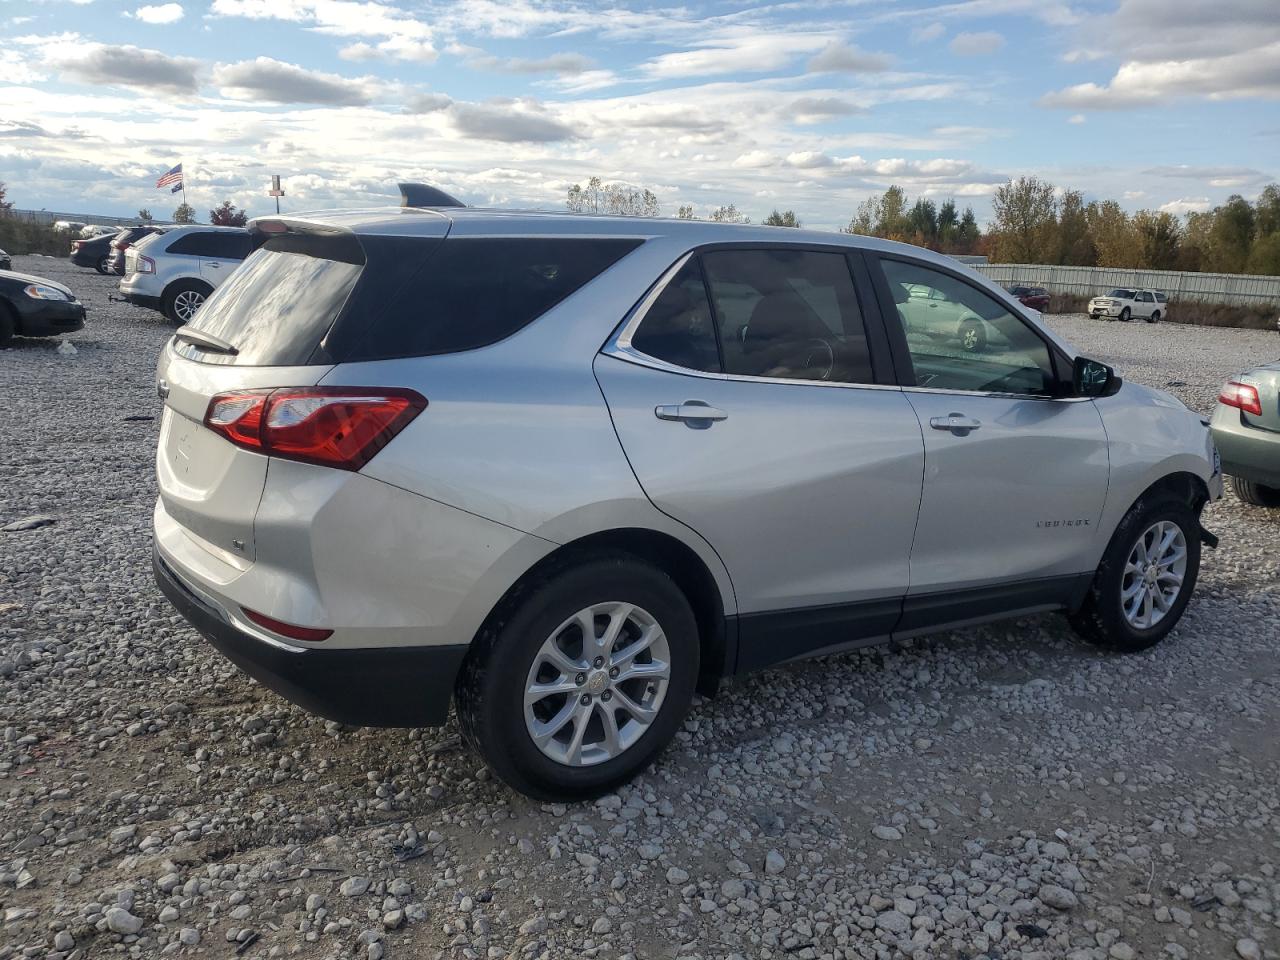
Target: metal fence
(52, 216)
(1231, 288)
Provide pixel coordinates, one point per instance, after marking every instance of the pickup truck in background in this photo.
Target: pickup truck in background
(1125, 304)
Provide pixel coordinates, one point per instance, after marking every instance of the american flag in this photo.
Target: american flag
(172, 176)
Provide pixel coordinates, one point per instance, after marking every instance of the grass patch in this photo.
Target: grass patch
(21, 236)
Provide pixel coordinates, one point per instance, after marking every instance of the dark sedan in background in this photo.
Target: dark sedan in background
(5, 262)
(95, 253)
(36, 307)
(122, 241)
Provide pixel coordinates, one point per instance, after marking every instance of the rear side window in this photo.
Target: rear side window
(227, 246)
(678, 327)
(279, 304)
(472, 292)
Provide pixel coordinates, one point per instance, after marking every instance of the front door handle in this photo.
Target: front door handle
(957, 423)
(691, 411)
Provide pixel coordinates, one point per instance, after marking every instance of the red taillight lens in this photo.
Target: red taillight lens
(310, 634)
(1243, 396)
(341, 427)
(146, 265)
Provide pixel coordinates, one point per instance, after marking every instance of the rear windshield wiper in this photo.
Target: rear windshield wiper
(206, 341)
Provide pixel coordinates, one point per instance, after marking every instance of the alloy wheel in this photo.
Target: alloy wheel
(597, 684)
(1153, 574)
(186, 303)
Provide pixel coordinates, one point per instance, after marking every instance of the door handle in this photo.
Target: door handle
(695, 411)
(957, 423)
(213, 263)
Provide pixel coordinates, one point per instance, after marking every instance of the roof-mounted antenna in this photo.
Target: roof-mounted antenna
(424, 195)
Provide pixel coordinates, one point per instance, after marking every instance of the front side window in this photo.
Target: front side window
(787, 313)
(1121, 294)
(959, 338)
(1144, 298)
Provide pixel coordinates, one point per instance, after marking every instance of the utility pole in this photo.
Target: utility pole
(275, 190)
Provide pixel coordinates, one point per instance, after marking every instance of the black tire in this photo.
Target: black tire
(1154, 318)
(1101, 619)
(1124, 315)
(972, 335)
(7, 325)
(1258, 494)
(173, 299)
(491, 685)
(103, 265)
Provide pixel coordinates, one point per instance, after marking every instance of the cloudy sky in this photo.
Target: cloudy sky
(806, 104)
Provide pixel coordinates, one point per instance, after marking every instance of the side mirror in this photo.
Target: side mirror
(1093, 378)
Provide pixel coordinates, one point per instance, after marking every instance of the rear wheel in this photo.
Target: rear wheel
(586, 679)
(103, 265)
(1154, 318)
(182, 299)
(972, 336)
(1258, 494)
(1145, 579)
(1124, 315)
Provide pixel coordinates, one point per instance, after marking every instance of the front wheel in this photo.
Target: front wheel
(1258, 494)
(1124, 315)
(183, 299)
(1145, 579)
(1154, 318)
(972, 336)
(586, 679)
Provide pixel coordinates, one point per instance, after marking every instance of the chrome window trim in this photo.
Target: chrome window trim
(620, 347)
(994, 394)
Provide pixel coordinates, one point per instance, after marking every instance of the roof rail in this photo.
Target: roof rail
(424, 195)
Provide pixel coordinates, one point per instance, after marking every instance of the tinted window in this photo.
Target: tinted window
(278, 305)
(961, 339)
(1144, 298)
(473, 292)
(1121, 294)
(226, 246)
(788, 313)
(1161, 298)
(678, 327)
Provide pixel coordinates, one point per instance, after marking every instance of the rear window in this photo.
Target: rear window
(277, 305)
(471, 292)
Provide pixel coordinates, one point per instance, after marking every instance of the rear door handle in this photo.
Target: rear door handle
(689, 411)
(957, 423)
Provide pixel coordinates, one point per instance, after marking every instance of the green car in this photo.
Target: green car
(1246, 429)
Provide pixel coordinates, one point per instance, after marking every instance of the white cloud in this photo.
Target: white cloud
(160, 13)
(1214, 176)
(399, 48)
(521, 121)
(265, 80)
(977, 44)
(1186, 205)
(1076, 118)
(747, 52)
(847, 58)
(927, 34)
(128, 66)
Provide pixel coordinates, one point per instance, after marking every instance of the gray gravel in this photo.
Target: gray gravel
(996, 792)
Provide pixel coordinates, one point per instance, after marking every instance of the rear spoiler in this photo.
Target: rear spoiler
(425, 195)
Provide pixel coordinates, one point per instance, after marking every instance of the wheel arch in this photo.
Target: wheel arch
(177, 283)
(9, 310)
(1184, 485)
(665, 552)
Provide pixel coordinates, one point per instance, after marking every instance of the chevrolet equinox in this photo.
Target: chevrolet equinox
(565, 471)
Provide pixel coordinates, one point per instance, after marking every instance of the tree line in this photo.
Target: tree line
(624, 200)
(1033, 222)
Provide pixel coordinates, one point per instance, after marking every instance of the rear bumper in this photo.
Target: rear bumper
(375, 687)
(1249, 453)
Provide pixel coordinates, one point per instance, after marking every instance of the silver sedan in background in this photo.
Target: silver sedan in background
(1246, 429)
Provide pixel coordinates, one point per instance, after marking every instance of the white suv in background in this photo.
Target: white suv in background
(1125, 304)
(175, 271)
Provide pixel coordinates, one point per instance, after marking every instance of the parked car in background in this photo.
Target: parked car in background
(175, 271)
(122, 241)
(94, 253)
(1246, 428)
(35, 307)
(6, 263)
(89, 231)
(566, 470)
(1125, 304)
(930, 312)
(67, 226)
(1037, 298)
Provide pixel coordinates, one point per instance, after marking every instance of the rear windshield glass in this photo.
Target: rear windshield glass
(1121, 294)
(277, 305)
(471, 292)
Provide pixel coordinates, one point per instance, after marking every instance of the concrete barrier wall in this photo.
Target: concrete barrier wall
(1237, 289)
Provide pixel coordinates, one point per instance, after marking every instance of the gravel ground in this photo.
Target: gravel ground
(995, 792)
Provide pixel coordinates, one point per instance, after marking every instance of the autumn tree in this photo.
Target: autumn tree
(616, 199)
(787, 218)
(883, 215)
(685, 212)
(145, 215)
(185, 213)
(1025, 218)
(1158, 236)
(1112, 233)
(228, 215)
(1074, 245)
(729, 213)
(922, 222)
(1231, 235)
(5, 205)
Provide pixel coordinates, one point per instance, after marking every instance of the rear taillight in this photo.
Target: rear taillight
(291, 630)
(145, 265)
(120, 244)
(1242, 396)
(341, 427)
(75, 245)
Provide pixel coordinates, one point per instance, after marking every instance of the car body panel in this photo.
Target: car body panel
(1250, 442)
(36, 317)
(148, 289)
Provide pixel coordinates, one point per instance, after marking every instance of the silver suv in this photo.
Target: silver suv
(175, 271)
(564, 471)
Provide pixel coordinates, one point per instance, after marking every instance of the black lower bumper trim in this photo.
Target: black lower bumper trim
(371, 686)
